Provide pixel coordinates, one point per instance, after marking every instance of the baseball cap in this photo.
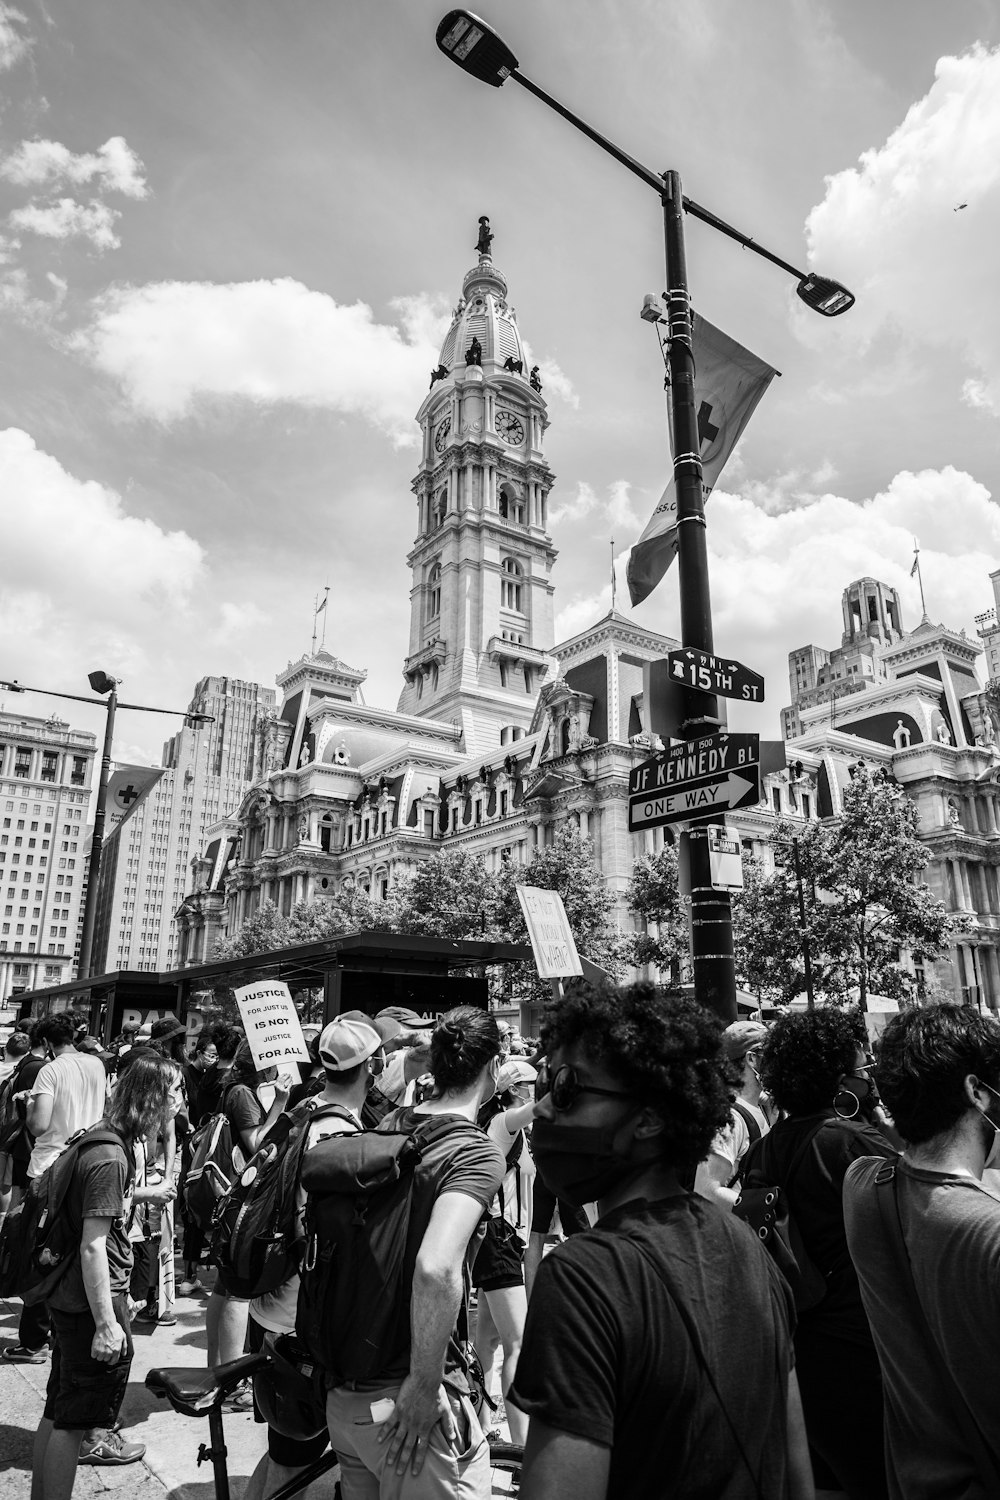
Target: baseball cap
(742, 1037)
(515, 1071)
(407, 1018)
(352, 1037)
(145, 1032)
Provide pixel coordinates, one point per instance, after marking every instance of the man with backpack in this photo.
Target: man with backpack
(82, 1268)
(15, 1142)
(717, 1176)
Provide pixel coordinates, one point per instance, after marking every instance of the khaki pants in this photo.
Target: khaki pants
(445, 1475)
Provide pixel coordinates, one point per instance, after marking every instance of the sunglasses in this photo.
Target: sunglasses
(564, 1088)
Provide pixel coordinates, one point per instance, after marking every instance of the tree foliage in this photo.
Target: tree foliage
(654, 896)
(450, 896)
(863, 896)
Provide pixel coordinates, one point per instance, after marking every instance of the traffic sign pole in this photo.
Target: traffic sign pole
(711, 911)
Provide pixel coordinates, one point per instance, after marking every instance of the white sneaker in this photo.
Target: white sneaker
(189, 1288)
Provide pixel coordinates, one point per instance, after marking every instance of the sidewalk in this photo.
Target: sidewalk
(170, 1466)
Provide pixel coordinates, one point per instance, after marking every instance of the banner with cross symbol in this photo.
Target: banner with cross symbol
(127, 789)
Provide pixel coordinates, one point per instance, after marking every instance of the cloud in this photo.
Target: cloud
(616, 510)
(171, 345)
(555, 382)
(114, 168)
(13, 44)
(67, 219)
(777, 574)
(923, 272)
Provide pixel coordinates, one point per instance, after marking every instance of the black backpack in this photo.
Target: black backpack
(763, 1204)
(364, 1223)
(12, 1120)
(39, 1238)
(255, 1242)
(215, 1161)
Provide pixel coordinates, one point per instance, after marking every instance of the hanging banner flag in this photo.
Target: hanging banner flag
(128, 789)
(728, 383)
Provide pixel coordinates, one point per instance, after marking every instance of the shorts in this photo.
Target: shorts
(499, 1261)
(573, 1220)
(83, 1392)
(294, 1453)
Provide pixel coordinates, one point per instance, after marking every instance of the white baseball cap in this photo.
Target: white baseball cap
(353, 1037)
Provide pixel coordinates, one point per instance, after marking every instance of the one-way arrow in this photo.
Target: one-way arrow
(696, 799)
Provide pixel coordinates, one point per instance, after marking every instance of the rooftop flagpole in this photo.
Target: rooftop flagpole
(920, 579)
(612, 574)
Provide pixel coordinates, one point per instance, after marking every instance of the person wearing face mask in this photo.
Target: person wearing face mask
(815, 1066)
(657, 1352)
(937, 1325)
(716, 1177)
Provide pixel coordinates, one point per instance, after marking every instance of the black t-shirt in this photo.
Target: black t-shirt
(102, 1188)
(25, 1077)
(815, 1198)
(244, 1112)
(606, 1355)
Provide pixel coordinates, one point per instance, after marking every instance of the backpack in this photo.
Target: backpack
(40, 1240)
(255, 1240)
(12, 1121)
(763, 1205)
(362, 1216)
(215, 1161)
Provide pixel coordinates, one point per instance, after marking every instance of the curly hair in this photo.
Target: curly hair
(141, 1094)
(806, 1054)
(664, 1047)
(924, 1058)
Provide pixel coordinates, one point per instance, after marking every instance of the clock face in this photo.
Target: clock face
(441, 436)
(509, 426)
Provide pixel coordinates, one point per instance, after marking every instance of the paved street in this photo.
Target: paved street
(170, 1466)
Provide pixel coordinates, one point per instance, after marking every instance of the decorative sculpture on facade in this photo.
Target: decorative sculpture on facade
(485, 239)
(474, 353)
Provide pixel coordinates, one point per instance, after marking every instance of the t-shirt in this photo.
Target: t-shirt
(951, 1225)
(78, 1085)
(815, 1198)
(28, 1072)
(276, 1310)
(243, 1110)
(98, 1191)
(607, 1357)
(730, 1146)
(514, 1198)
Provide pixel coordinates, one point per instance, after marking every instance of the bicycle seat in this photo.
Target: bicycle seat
(196, 1391)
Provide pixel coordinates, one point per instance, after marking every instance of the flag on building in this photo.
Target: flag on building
(128, 788)
(916, 564)
(729, 381)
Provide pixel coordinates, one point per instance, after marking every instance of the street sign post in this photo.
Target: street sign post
(715, 674)
(695, 779)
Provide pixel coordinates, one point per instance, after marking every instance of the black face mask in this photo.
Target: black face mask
(581, 1163)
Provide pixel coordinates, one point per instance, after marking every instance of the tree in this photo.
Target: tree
(654, 895)
(266, 929)
(452, 895)
(864, 901)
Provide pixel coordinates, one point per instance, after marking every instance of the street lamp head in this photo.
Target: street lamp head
(825, 296)
(473, 44)
(101, 682)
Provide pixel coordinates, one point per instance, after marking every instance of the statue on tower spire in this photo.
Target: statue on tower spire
(485, 236)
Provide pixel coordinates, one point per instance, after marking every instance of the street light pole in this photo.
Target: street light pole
(97, 838)
(476, 48)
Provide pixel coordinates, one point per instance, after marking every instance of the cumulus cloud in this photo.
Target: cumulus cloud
(922, 267)
(114, 167)
(777, 574)
(66, 220)
(13, 43)
(555, 382)
(616, 509)
(171, 344)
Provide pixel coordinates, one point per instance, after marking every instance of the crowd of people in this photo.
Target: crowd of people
(663, 1347)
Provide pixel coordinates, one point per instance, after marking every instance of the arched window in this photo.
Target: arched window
(511, 504)
(510, 585)
(326, 833)
(439, 510)
(434, 592)
(564, 737)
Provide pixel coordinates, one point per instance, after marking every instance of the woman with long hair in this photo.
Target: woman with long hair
(815, 1066)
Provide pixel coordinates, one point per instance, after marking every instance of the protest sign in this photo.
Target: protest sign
(271, 1023)
(549, 930)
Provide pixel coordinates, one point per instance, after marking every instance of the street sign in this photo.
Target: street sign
(695, 779)
(725, 858)
(715, 674)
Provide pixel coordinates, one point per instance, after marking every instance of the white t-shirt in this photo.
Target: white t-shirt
(733, 1140)
(78, 1084)
(276, 1310)
(521, 1173)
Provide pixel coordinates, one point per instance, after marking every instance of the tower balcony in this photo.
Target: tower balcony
(432, 655)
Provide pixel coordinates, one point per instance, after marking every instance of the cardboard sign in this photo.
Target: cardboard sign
(271, 1022)
(549, 930)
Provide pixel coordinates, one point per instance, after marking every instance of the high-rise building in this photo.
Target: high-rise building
(45, 777)
(145, 863)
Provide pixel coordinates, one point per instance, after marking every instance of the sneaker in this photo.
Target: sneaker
(240, 1398)
(149, 1314)
(18, 1354)
(189, 1288)
(166, 1320)
(111, 1449)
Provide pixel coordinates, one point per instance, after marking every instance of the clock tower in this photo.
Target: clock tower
(481, 619)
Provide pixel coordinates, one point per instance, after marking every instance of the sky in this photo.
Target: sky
(232, 232)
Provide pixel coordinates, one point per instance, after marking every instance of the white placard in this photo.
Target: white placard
(725, 858)
(551, 936)
(271, 1023)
